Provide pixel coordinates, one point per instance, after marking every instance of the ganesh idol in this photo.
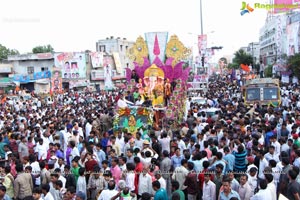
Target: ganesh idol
(153, 79)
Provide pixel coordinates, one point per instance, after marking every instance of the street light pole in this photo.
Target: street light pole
(253, 60)
(201, 24)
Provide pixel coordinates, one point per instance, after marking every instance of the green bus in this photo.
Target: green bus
(265, 91)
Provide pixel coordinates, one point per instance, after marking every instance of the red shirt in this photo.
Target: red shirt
(89, 165)
(138, 170)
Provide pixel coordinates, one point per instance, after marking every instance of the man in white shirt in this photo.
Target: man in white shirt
(165, 141)
(46, 192)
(263, 192)
(41, 150)
(297, 159)
(66, 136)
(123, 103)
(74, 151)
(110, 192)
(76, 127)
(262, 164)
(276, 144)
(244, 188)
(61, 178)
(284, 146)
(209, 188)
(121, 142)
(271, 186)
(180, 174)
(138, 142)
(146, 160)
(36, 170)
(181, 144)
(160, 179)
(139, 101)
(88, 128)
(145, 182)
(271, 154)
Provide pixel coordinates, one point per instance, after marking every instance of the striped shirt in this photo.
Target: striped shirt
(240, 161)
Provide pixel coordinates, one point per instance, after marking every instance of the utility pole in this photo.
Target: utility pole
(253, 60)
(201, 24)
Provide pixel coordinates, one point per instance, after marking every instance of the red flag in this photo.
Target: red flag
(245, 67)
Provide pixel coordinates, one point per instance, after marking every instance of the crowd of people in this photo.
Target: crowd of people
(64, 147)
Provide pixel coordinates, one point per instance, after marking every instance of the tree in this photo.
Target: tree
(4, 52)
(43, 49)
(268, 71)
(294, 64)
(240, 57)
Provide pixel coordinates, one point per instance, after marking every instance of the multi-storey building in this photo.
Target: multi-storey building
(26, 67)
(119, 45)
(272, 39)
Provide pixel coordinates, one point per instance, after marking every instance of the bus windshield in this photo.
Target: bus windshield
(270, 93)
(253, 94)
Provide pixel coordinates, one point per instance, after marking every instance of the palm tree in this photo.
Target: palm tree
(241, 57)
(294, 64)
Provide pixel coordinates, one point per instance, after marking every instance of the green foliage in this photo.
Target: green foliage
(294, 64)
(4, 52)
(240, 57)
(268, 71)
(43, 49)
(233, 66)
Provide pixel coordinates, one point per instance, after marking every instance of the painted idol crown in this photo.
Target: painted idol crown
(156, 50)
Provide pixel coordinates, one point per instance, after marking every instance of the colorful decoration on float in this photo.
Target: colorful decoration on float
(132, 119)
(139, 51)
(154, 79)
(176, 50)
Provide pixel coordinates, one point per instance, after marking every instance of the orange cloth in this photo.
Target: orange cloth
(245, 67)
(3, 100)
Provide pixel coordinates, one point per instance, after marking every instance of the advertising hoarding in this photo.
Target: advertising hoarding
(72, 65)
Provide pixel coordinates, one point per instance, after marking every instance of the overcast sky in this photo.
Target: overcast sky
(77, 25)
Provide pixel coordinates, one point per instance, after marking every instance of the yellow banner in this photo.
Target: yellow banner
(117, 62)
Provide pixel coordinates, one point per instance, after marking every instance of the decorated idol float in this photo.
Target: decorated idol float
(160, 77)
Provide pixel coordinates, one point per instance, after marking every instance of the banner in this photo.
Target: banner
(79, 83)
(278, 8)
(292, 30)
(41, 75)
(202, 43)
(97, 75)
(72, 65)
(285, 79)
(56, 81)
(156, 43)
(97, 59)
(108, 84)
(279, 34)
(118, 62)
(21, 78)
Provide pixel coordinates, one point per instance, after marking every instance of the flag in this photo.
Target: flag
(245, 67)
